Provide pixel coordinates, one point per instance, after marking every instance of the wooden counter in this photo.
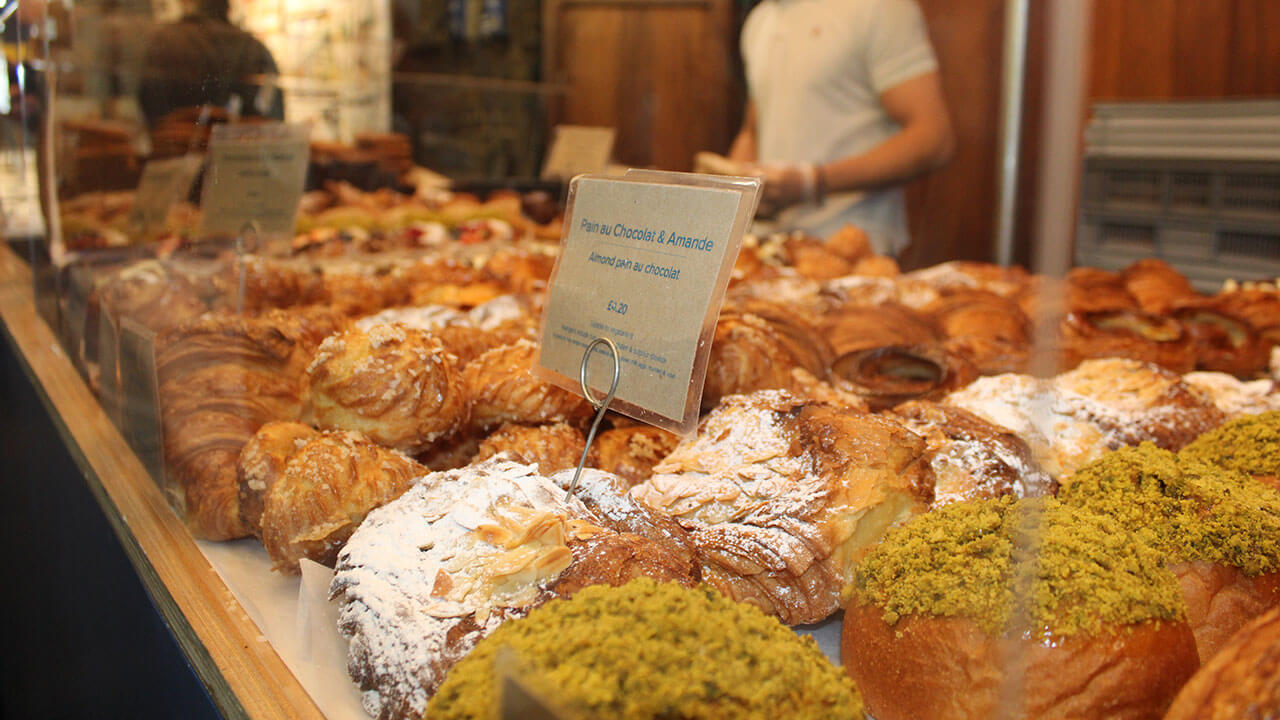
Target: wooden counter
(244, 676)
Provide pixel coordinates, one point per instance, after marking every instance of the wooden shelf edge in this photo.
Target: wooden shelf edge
(245, 677)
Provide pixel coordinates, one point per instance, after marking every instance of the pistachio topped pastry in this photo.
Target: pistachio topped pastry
(1250, 444)
(654, 650)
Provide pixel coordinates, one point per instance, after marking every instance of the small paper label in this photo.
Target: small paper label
(164, 183)
(643, 264)
(140, 396)
(576, 150)
(256, 174)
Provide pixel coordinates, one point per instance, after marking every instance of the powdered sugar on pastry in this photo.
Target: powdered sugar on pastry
(1233, 396)
(428, 575)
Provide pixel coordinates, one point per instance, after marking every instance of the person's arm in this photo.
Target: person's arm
(743, 149)
(925, 142)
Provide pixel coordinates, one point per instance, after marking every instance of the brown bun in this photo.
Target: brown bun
(1241, 681)
(949, 669)
(1221, 600)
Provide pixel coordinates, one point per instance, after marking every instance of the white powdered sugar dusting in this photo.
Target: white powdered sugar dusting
(427, 317)
(445, 557)
(1233, 396)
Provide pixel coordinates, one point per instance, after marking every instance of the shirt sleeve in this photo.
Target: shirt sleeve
(898, 46)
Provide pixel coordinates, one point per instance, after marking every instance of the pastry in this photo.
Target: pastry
(887, 375)
(1223, 343)
(425, 577)
(503, 388)
(1248, 444)
(550, 448)
(969, 458)
(1092, 289)
(781, 496)
(1157, 286)
(856, 327)
(631, 452)
(1259, 308)
(395, 384)
(1124, 333)
(327, 487)
(668, 652)
(1241, 681)
(756, 345)
(1003, 608)
(984, 327)
(1219, 528)
(261, 465)
(1235, 397)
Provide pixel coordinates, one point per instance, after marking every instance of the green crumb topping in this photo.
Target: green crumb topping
(654, 650)
(1250, 444)
(1188, 509)
(1017, 566)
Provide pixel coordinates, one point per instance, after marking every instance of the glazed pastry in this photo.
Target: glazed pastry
(887, 375)
(427, 576)
(1127, 334)
(1219, 528)
(782, 496)
(1241, 681)
(1004, 608)
(1259, 308)
(1223, 343)
(1157, 286)
(503, 389)
(550, 448)
(877, 266)
(968, 458)
(671, 652)
(261, 465)
(756, 345)
(221, 377)
(987, 329)
(327, 488)
(1091, 290)
(395, 384)
(631, 452)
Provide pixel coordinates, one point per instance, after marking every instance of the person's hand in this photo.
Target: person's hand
(787, 185)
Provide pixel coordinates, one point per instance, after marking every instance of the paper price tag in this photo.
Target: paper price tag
(644, 262)
(256, 174)
(578, 149)
(164, 183)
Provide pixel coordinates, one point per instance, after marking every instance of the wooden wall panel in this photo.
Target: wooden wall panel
(1172, 49)
(661, 71)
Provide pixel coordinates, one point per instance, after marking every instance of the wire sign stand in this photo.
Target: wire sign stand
(601, 406)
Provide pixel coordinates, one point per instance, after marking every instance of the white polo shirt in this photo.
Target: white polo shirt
(816, 69)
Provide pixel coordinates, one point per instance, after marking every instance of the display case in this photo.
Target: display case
(290, 338)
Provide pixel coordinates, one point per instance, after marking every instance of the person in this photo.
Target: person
(845, 105)
(203, 59)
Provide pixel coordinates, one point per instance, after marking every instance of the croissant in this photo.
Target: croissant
(261, 465)
(550, 448)
(503, 389)
(984, 327)
(1223, 342)
(756, 345)
(328, 486)
(855, 327)
(631, 452)
(1091, 289)
(395, 384)
(781, 496)
(1157, 286)
(1259, 308)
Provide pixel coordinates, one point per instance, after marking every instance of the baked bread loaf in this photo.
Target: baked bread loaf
(1241, 681)
(1004, 608)
(670, 652)
(1219, 528)
(326, 488)
(395, 384)
(781, 496)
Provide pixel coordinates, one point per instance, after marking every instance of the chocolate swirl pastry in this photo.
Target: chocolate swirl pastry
(1126, 333)
(1223, 342)
(888, 375)
(756, 345)
(854, 327)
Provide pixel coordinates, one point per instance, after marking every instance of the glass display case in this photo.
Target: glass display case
(283, 305)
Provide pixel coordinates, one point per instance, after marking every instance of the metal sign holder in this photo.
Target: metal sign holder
(601, 407)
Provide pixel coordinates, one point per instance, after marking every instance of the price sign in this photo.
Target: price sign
(578, 149)
(256, 174)
(645, 262)
(163, 184)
